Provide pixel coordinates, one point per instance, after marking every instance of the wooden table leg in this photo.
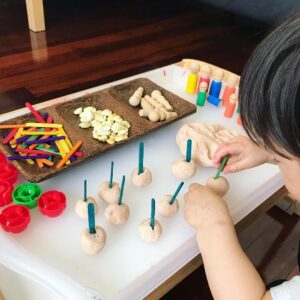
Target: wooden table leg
(35, 14)
(197, 261)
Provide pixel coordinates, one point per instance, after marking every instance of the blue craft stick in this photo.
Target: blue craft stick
(91, 215)
(188, 155)
(141, 158)
(72, 158)
(111, 178)
(152, 219)
(16, 157)
(22, 139)
(122, 190)
(215, 88)
(176, 193)
(46, 140)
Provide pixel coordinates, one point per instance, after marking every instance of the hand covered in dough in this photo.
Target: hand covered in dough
(244, 154)
(204, 208)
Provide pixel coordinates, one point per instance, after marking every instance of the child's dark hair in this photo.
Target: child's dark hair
(270, 90)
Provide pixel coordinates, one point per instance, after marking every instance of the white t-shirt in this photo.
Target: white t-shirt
(289, 290)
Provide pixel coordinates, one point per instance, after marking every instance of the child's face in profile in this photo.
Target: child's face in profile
(290, 169)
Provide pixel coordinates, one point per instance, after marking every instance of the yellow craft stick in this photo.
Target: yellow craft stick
(39, 133)
(19, 133)
(62, 132)
(73, 150)
(29, 161)
(43, 125)
(61, 150)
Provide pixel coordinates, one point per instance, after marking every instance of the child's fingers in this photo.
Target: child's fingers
(227, 149)
(235, 167)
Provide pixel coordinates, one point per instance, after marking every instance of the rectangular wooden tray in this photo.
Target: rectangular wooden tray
(115, 99)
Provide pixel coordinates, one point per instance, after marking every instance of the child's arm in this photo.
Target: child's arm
(229, 272)
(244, 154)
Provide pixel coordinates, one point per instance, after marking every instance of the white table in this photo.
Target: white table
(128, 268)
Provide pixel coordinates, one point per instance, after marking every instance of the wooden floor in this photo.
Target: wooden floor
(88, 43)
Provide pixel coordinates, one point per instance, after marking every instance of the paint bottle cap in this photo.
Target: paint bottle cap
(27, 194)
(52, 203)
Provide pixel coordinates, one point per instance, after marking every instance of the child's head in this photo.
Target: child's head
(270, 99)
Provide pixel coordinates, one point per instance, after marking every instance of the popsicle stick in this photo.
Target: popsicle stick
(111, 178)
(39, 133)
(67, 157)
(34, 112)
(122, 190)
(43, 125)
(152, 219)
(176, 193)
(188, 150)
(10, 136)
(44, 140)
(141, 158)
(47, 162)
(91, 215)
(27, 157)
(12, 126)
(223, 164)
(31, 151)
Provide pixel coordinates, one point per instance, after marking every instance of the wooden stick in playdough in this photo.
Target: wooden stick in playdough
(111, 175)
(91, 215)
(188, 150)
(141, 158)
(122, 190)
(176, 193)
(152, 219)
(224, 161)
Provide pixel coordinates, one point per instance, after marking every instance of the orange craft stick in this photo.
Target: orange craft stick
(47, 162)
(39, 162)
(69, 154)
(12, 126)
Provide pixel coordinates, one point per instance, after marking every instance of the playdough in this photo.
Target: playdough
(183, 169)
(117, 214)
(81, 207)
(165, 208)
(220, 185)
(206, 139)
(143, 179)
(107, 194)
(92, 243)
(148, 234)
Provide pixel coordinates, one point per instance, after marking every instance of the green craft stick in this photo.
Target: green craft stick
(141, 159)
(111, 175)
(224, 161)
(152, 219)
(40, 147)
(91, 215)
(85, 190)
(188, 150)
(176, 193)
(32, 138)
(122, 190)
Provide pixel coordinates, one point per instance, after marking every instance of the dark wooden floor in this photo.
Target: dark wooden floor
(88, 43)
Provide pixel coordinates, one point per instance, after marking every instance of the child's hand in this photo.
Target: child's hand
(244, 154)
(204, 208)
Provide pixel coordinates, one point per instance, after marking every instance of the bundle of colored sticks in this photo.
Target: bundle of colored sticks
(39, 142)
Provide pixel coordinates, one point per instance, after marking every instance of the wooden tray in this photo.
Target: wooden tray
(115, 99)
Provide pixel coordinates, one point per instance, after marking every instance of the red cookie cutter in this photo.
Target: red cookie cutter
(52, 203)
(15, 218)
(3, 158)
(8, 172)
(6, 189)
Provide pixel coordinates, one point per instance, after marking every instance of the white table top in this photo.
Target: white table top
(128, 268)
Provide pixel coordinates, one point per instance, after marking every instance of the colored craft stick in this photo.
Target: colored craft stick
(85, 190)
(44, 125)
(188, 150)
(40, 163)
(34, 112)
(39, 133)
(47, 162)
(224, 161)
(54, 147)
(28, 161)
(31, 138)
(67, 157)
(31, 151)
(91, 215)
(111, 175)
(22, 139)
(19, 133)
(45, 140)
(152, 219)
(10, 136)
(122, 190)
(11, 126)
(62, 150)
(176, 193)
(45, 149)
(26, 157)
(72, 158)
(141, 158)
(79, 154)
(62, 132)
(64, 146)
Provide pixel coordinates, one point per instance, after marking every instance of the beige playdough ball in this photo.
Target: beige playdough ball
(143, 179)
(148, 234)
(183, 169)
(93, 243)
(117, 214)
(81, 207)
(165, 208)
(107, 194)
(220, 185)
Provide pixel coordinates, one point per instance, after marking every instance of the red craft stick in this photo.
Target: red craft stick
(79, 154)
(10, 136)
(34, 112)
(31, 151)
(49, 120)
